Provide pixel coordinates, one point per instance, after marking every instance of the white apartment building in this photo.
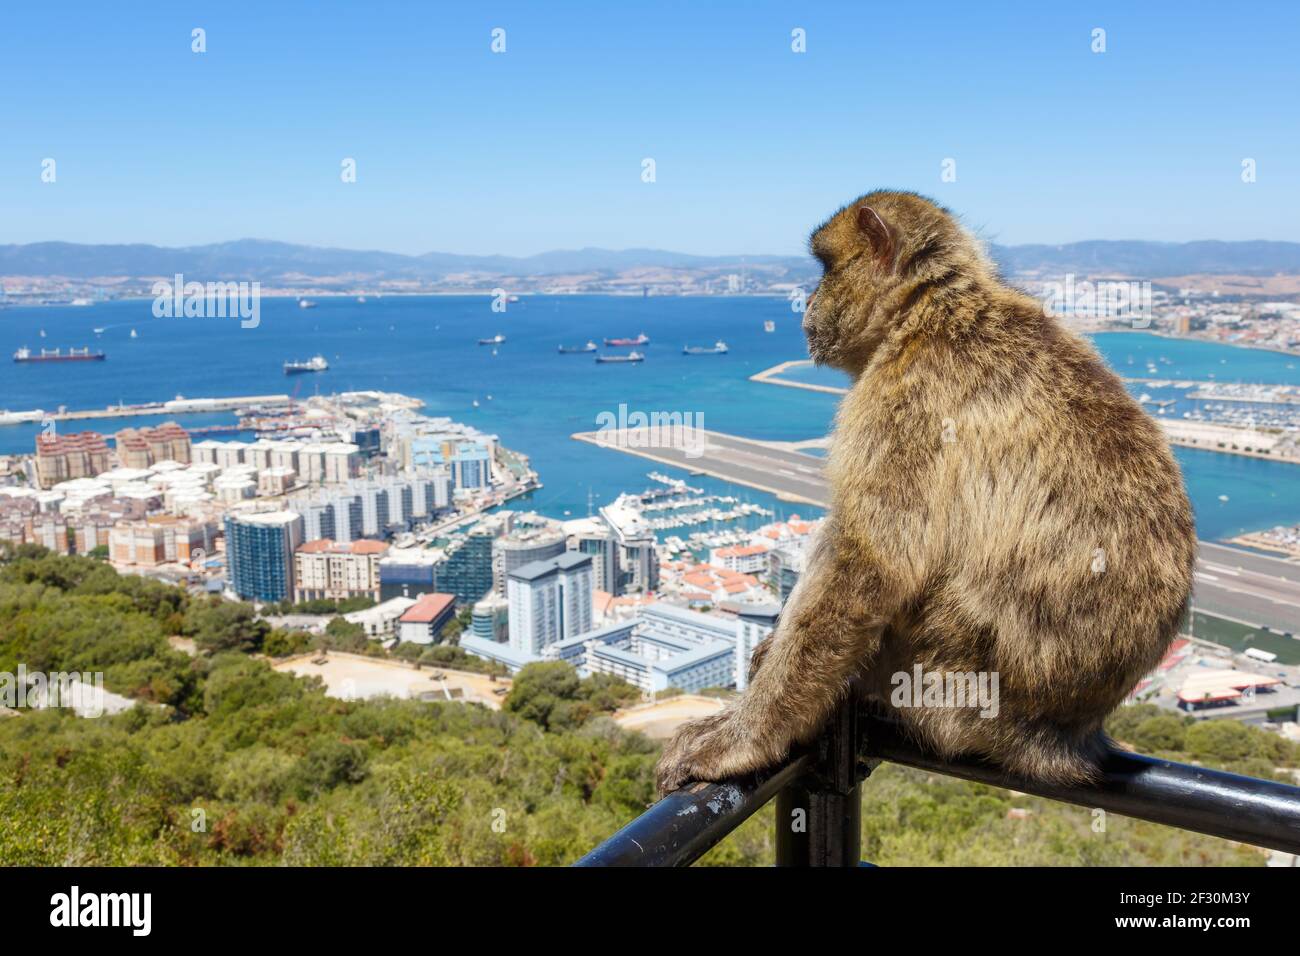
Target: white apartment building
(332, 571)
(549, 600)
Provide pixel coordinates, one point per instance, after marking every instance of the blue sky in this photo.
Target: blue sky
(462, 150)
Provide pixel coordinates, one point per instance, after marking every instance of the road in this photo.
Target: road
(1255, 589)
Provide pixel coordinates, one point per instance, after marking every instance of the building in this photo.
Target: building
(380, 621)
(638, 556)
(137, 543)
(408, 572)
(316, 463)
(594, 536)
(64, 457)
(784, 567)
(144, 447)
(328, 570)
(467, 572)
(423, 621)
(754, 622)
(549, 600)
(747, 558)
(260, 554)
(491, 619)
(523, 546)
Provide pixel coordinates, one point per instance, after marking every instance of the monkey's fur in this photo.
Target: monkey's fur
(999, 504)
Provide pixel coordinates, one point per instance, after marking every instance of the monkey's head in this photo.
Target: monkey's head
(877, 253)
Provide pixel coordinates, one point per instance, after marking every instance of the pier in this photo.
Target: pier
(772, 376)
(177, 406)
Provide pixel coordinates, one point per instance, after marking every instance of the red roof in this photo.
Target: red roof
(428, 608)
(323, 545)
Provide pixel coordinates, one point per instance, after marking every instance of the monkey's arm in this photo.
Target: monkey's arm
(829, 629)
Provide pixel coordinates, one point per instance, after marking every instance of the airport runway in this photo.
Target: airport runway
(1247, 587)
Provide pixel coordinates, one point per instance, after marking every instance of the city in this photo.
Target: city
(441, 442)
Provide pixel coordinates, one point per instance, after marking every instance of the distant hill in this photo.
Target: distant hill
(1153, 259)
(267, 260)
(263, 259)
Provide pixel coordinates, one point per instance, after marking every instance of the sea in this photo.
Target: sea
(534, 398)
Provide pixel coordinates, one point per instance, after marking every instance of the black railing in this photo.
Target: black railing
(819, 796)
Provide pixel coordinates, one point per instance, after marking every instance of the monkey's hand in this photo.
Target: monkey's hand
(716, 748)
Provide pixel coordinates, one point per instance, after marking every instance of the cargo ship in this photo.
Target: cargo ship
(25, 354)
(630, 357)
(577, 349)
(316, 363)
(719, 348)
(495, 340)
(641, 339)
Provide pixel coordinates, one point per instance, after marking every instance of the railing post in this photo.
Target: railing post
(819, 816)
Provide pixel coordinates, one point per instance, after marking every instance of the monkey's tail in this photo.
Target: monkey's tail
(1052, 754)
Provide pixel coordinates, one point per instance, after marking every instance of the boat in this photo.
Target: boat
(133, 334)
(630, 357)
(495, 340)
(25, 354)
(100, 331)
(361, 299)
(719, 348)
(316, 363)
(577, 349)
(641, 339)
(769, 326)
(306, 304)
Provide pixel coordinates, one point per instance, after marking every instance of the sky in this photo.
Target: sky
(542, 146)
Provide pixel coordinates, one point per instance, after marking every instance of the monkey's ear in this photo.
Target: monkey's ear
(873, 227)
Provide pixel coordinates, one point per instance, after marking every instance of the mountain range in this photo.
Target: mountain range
(258, 259)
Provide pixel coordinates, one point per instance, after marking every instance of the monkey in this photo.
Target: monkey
(999, 504)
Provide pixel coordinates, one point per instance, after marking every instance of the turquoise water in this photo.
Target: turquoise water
(534, 398)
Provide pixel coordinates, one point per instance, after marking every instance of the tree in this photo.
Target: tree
(538, 689)
(218, 625)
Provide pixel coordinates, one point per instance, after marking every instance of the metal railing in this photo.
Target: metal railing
(826, 784)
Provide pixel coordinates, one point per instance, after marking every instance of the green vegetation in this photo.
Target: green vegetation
(552, 696)
(227, 761)
(319, 606)
(236, 763)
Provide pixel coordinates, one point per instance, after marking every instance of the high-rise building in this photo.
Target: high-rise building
(549, 600)
(143, 447)
(467, 572)
(64, 457)
(638, 559)
(754, 622)
(259, 554)
(784, 567)
(523, 546)
(594, 536)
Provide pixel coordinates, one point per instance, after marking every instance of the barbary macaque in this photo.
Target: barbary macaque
(999, 505)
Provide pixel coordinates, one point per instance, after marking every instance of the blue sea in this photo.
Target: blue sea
(535, 398)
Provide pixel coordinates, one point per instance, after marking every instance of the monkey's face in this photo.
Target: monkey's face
(871, 252)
